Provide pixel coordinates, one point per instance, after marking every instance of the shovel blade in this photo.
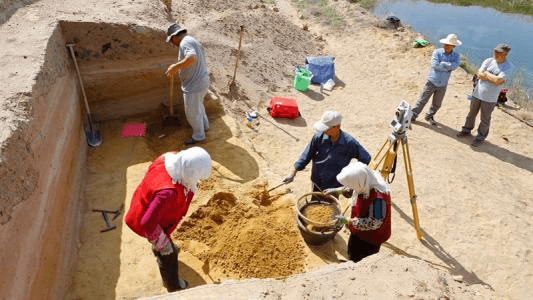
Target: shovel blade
(93, 138)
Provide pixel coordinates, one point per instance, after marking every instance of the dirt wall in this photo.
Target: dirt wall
(43, 159)
(123, 67)
(9, 7)
(43, 153)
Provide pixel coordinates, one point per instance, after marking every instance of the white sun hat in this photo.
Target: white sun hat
(451, 39)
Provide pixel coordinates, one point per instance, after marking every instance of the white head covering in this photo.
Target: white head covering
(361, 179)
(188, 166)
(328, 120)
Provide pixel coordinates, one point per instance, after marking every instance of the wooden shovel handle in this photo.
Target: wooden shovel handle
(171, 96)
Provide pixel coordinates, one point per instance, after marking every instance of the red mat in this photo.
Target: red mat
(133, 129)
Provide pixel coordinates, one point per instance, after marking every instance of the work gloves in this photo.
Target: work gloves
(289, 178)
(160, 242)
(345, 191)
(341, 220)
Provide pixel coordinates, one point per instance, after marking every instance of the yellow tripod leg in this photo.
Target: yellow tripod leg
(411, 185)
(386, 157)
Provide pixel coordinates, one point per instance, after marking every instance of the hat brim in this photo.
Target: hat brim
(501, 50)
(447, 42)
(169, 38)
(319, 126)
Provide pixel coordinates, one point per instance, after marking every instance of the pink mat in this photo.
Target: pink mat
(133, 129)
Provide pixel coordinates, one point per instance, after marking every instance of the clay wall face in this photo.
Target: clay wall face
(123, 67)
(44, 157)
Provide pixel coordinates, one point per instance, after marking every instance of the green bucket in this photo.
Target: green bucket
(302, 80)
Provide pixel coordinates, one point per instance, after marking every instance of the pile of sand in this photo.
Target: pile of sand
(244, 235)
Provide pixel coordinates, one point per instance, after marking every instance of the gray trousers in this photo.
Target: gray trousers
(486, 113)
(438, 94)
(195, 113)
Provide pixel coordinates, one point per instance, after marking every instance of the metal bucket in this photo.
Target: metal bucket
(318, 232)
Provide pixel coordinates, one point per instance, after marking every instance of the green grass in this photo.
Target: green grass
(330, 13)
(273, 2)
(512, 6)
(326, 12)
(517, 92)
(469, 68)
(366, 4)
(301, 5)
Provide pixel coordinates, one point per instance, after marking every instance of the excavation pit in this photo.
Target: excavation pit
(54, 180)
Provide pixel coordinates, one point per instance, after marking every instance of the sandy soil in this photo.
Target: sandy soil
(472, 202)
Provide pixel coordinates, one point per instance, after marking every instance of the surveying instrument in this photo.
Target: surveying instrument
(385, 159)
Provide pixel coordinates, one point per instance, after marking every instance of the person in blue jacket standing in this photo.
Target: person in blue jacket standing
(330, 150)
(443, 62)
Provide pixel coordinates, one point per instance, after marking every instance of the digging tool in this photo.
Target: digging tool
(277, 186)
(232, 83)
(171, 119)
(105, 215)
(93, 136)
(261, 116)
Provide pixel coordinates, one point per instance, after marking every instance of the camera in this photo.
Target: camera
(402, 119)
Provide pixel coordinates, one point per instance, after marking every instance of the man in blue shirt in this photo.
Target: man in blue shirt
(443, 62)
(330, 149)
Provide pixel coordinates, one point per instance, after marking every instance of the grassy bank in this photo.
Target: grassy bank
(516, 6)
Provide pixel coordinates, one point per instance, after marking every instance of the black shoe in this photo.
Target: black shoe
(430, 120)
(461, 134)
(477, 143)
(190, 142)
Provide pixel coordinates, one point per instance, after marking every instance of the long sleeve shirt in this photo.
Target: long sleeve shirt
(329, 159)
(442, 65)
(156, 210)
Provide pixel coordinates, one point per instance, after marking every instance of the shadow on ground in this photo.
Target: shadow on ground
(500, 153)
(433, 245)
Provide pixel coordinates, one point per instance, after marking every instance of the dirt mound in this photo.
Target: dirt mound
(271, 45)
(247, 235)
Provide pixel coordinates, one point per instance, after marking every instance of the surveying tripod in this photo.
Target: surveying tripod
(386, 158)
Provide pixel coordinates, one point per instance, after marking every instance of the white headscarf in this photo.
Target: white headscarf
(361, 179)
(188, 166)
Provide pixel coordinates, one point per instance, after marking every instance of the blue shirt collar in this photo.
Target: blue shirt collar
(342, 139)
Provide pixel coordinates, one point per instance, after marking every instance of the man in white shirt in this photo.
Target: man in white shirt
(192, 68)
(492, 74)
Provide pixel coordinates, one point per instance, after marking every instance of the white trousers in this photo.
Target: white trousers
(195, 113)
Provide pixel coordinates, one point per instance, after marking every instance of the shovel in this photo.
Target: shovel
(277, 186)
(93, 136)
(171, 119)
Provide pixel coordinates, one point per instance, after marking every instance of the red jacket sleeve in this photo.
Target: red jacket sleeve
(153, 215)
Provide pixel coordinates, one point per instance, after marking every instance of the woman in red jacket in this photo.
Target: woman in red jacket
(370, 222)
(160, 202)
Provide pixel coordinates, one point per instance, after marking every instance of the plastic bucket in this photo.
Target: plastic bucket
(302, 80)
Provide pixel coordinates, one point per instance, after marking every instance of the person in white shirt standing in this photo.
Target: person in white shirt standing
(492, 74)
(192, 68)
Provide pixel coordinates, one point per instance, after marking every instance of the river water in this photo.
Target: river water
(479, 28)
